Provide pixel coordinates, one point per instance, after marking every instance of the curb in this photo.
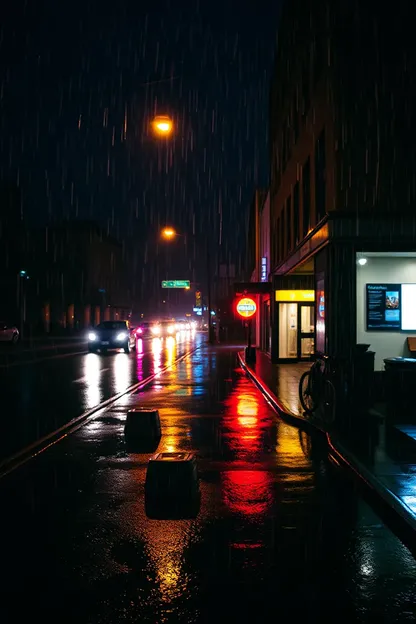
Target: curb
(13, 462)
(289, 417)
(340, 454)
(377, 486)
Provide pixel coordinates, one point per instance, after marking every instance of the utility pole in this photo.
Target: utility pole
(21, 298)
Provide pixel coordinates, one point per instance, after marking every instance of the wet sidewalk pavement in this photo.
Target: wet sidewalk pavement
(281, 533)
(381, 454)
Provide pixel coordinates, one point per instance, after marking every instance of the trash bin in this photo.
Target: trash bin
(400, 385)
(363, 373)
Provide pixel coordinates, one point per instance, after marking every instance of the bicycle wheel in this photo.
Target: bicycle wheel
(329, 402)
(305, 395)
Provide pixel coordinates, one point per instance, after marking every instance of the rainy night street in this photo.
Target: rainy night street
(40, 396)
(280, 533)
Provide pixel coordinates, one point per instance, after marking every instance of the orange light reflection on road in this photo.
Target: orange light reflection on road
(157, 354)
(170, 350)
(169, 443)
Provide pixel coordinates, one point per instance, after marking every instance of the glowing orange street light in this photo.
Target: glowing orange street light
(168, 233)
(162, 125)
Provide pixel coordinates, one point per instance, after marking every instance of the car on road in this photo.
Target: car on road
(111, 335)
(168, 328)
(144, 330)
(8, 333)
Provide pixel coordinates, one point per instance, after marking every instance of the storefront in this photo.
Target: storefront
(362, 291)
(386, 302)
(295, 311)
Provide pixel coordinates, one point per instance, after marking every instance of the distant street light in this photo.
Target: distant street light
(168, 233)
(162, 125)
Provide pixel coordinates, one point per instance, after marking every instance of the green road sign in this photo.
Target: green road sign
(176, 284)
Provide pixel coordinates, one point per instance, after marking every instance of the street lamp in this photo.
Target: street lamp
(162, 125)
(169, 233)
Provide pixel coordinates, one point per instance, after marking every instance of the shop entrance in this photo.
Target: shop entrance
(296, 321)
(306, 335)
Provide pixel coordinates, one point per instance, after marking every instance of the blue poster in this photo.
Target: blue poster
(384, 307)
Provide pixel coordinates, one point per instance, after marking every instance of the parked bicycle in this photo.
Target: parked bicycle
(317, 393)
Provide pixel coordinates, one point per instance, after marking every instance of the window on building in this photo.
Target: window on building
(296, 214)
(306, 197)
(288, 222)
(320, 177)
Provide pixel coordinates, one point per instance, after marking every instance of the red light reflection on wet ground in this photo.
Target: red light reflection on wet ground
(248, 431)
(247, 424)
(248, 492)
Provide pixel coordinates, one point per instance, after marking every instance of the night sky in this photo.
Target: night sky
(80, 82)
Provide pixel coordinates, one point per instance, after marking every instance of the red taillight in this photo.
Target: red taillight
(139, 331)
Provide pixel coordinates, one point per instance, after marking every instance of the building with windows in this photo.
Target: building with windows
(342, 184)
(77, 277)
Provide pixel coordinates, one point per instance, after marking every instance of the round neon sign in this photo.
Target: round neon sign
(246, 307)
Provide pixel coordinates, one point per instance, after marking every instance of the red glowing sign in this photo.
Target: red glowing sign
(246, 307)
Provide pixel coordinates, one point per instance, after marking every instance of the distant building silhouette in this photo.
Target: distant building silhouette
(12, 249)
(78, 275)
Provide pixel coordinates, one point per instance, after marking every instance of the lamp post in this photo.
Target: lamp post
(169, 233)
(162, 126)
(22, 276)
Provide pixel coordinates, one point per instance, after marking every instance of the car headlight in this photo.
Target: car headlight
(92, 336)
(122, 336)
(156, 331)
(171, 329)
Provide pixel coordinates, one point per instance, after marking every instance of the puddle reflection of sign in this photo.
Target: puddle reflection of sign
(246, 307)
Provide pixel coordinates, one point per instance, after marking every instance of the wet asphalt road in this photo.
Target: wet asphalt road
(280, 533)
(38, 397)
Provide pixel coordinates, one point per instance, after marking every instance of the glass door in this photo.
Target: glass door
(306, 337)
(288, 331)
